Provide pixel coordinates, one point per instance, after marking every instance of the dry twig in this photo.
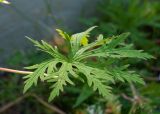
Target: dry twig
(40, 100)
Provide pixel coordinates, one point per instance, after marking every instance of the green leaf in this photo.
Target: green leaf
(62, 69)
(96, 78)
(118, 53)
(47, 48)
(62, 80)
(126, 76)
(117, 40)
(115, 53)
(38, 73)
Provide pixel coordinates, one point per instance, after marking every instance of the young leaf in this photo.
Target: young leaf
(80, 39)
(63, 34)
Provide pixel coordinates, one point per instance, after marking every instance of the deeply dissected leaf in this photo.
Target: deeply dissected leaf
(120, 53)
(38, 73)
(45, 47)
(61, 81)
(63, 69)
(123, 76)
(96, 78)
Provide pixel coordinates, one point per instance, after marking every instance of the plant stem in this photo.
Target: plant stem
(14, 71)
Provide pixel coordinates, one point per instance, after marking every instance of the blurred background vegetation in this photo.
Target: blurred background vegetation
(139, 17)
